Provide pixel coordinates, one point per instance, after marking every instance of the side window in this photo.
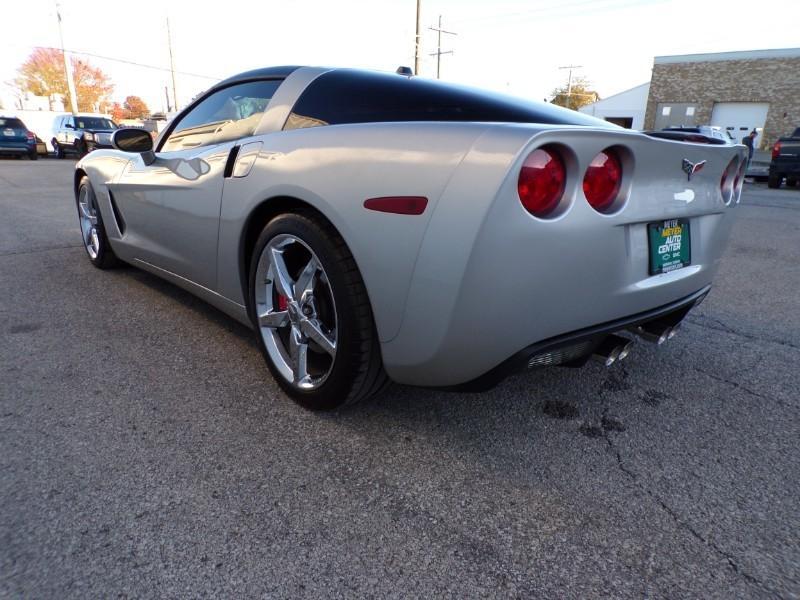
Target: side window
(229, 114)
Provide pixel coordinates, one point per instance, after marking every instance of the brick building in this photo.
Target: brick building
(737, 91)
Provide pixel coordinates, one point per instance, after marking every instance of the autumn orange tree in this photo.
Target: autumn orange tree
(42, 74)
(135, 108)
(117, 112)
(573, 96)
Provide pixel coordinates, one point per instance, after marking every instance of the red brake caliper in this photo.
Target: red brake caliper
(283, 302)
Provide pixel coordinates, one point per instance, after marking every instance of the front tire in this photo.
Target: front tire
(93, 232)
(58, 150)
(774, 181)
(313, 318)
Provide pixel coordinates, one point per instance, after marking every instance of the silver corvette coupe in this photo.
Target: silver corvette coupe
(376, 226)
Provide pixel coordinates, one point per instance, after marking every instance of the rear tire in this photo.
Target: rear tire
(33, 155)
(93, 232)
(774, 181)
(303, 255)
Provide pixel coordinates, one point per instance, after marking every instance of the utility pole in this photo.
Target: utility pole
(166, 94)
(438, 53)
(569, 81)
(418, 38)
(73, 96)
(172, 67)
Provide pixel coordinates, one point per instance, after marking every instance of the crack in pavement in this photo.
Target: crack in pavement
(9, 182)
(729, 558)
(605, 433)
(39, 250)
(728, 329)
(744, 388)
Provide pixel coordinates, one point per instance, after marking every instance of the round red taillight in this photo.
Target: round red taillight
(602, 180)
(541, 181)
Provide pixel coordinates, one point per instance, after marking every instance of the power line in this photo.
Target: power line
(418, 38)
(438, 53)
(569, 80)
(130, 62)
(73, 95)
(172, 67)
(579, 8)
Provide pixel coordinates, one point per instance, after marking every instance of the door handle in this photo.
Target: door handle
(246, 158)
(231, 161)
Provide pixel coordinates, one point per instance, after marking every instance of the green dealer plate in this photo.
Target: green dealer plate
(670, 245)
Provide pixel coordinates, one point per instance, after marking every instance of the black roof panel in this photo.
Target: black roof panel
(264, 73)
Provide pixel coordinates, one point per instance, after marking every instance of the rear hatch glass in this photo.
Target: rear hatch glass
(11, 123)
(12, 130)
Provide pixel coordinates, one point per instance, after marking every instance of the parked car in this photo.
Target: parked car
(82, 133)
(376, 226)
(785, 161)
(707, 130)
(16, 139)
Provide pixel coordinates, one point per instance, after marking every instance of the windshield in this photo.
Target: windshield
(11, 123)
(94, 123)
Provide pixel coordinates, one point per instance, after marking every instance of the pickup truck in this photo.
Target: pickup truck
(785, 161)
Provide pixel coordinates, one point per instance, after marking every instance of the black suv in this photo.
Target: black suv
(82, 133)
(785, 161)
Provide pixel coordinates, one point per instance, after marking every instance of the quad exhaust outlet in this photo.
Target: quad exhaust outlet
(612, 349)
(656, 332)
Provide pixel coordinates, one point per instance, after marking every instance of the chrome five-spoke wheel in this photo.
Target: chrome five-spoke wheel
(93, 234)
(296, 312)
(87, 214)
(311, 311)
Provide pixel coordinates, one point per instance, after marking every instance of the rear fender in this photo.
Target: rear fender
(335, 169)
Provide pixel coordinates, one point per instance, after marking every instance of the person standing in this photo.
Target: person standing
(750, 141)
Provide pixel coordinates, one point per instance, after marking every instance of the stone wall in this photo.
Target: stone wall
(773, 80)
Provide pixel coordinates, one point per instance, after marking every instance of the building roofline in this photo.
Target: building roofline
(636, 87)
(722, 56)
(603, 100)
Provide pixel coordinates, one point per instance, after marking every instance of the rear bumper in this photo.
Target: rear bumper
(17, 148)
(580, 343)
(491, 282)
(785, 168)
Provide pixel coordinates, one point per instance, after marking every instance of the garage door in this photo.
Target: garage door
(739, 118)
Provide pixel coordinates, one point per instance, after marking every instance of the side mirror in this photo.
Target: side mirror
(69, 126)
(130, 139)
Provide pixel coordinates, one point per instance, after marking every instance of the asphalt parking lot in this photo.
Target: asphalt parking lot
(146, 452)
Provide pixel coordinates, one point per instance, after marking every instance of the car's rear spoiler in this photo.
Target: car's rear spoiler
(685, 136)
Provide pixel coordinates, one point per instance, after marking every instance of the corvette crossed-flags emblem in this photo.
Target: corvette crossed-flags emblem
(691, 168)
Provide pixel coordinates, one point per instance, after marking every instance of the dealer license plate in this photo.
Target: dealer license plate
(670, 245)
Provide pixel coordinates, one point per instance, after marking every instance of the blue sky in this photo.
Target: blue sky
(510, 46)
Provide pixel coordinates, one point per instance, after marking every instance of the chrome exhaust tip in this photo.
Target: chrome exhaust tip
(657, 333)
(612, 349)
